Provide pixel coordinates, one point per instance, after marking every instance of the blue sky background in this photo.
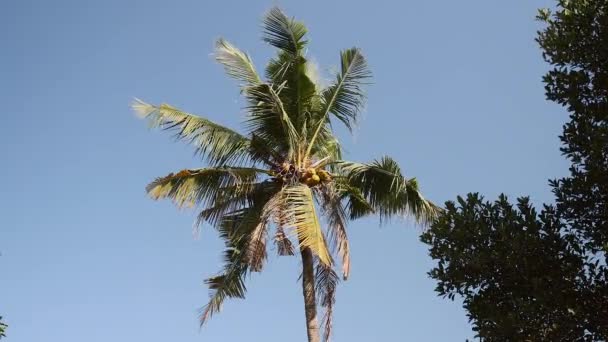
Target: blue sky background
(86, 256)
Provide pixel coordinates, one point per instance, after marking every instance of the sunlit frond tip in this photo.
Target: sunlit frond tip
(141, 108)
(237, 63)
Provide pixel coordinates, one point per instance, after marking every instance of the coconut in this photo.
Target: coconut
(324, 175)
(183, 173)
(316, 179)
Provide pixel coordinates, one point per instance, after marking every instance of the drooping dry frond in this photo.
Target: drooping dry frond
(281, 240)
(326, 284)
(255, 253)
(256, 247)
(300, 210)
(336, 219)
(218, 144)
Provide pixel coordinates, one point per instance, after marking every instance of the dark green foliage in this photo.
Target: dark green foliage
(528, 276)
(519, 276)
(2, 328)
(575, 43)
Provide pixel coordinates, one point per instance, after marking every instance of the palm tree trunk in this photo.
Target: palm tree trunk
(310, 303)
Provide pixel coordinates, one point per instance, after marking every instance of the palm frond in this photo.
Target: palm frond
(237, 64)
(297, 209)
(235, 230)
(256, 247)
(281, 240)
(264, 150)
(268, 119)
(333, 210)
(326, 144)
(278, 68)
(231, 198)
(226, 201)
(216, 143)
(229, 284)
(202, 186)
(356, 205)
(281, 220)
(326, 284)
(299, 92)
(284, 33)
(345, 97)
(387, 191)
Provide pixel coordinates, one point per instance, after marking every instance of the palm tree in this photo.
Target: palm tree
(285, 168)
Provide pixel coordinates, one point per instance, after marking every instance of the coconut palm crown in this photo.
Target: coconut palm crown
(275, 180)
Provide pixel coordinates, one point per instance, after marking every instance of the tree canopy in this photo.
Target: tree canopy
(542, 276)
(283, 179)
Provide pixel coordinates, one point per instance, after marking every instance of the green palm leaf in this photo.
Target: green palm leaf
(238, 229)
(356, 206)
(234, 197)
(345, 97)
(218, 144)
(268, 119)
(230, 283)
(386, 190)
(284, 33)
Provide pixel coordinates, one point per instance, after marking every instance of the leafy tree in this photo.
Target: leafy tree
(542, 276)
(2, 328)
(575, 43)
(284, 168)
(518, 274)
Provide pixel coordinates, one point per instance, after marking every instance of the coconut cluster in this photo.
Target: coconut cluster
(312, 177)
(287, 173)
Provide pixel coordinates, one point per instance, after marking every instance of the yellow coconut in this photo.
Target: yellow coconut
(315, 179)
(183, 173)
(324, 175)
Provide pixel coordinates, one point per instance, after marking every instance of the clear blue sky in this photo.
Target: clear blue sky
(86, 256)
